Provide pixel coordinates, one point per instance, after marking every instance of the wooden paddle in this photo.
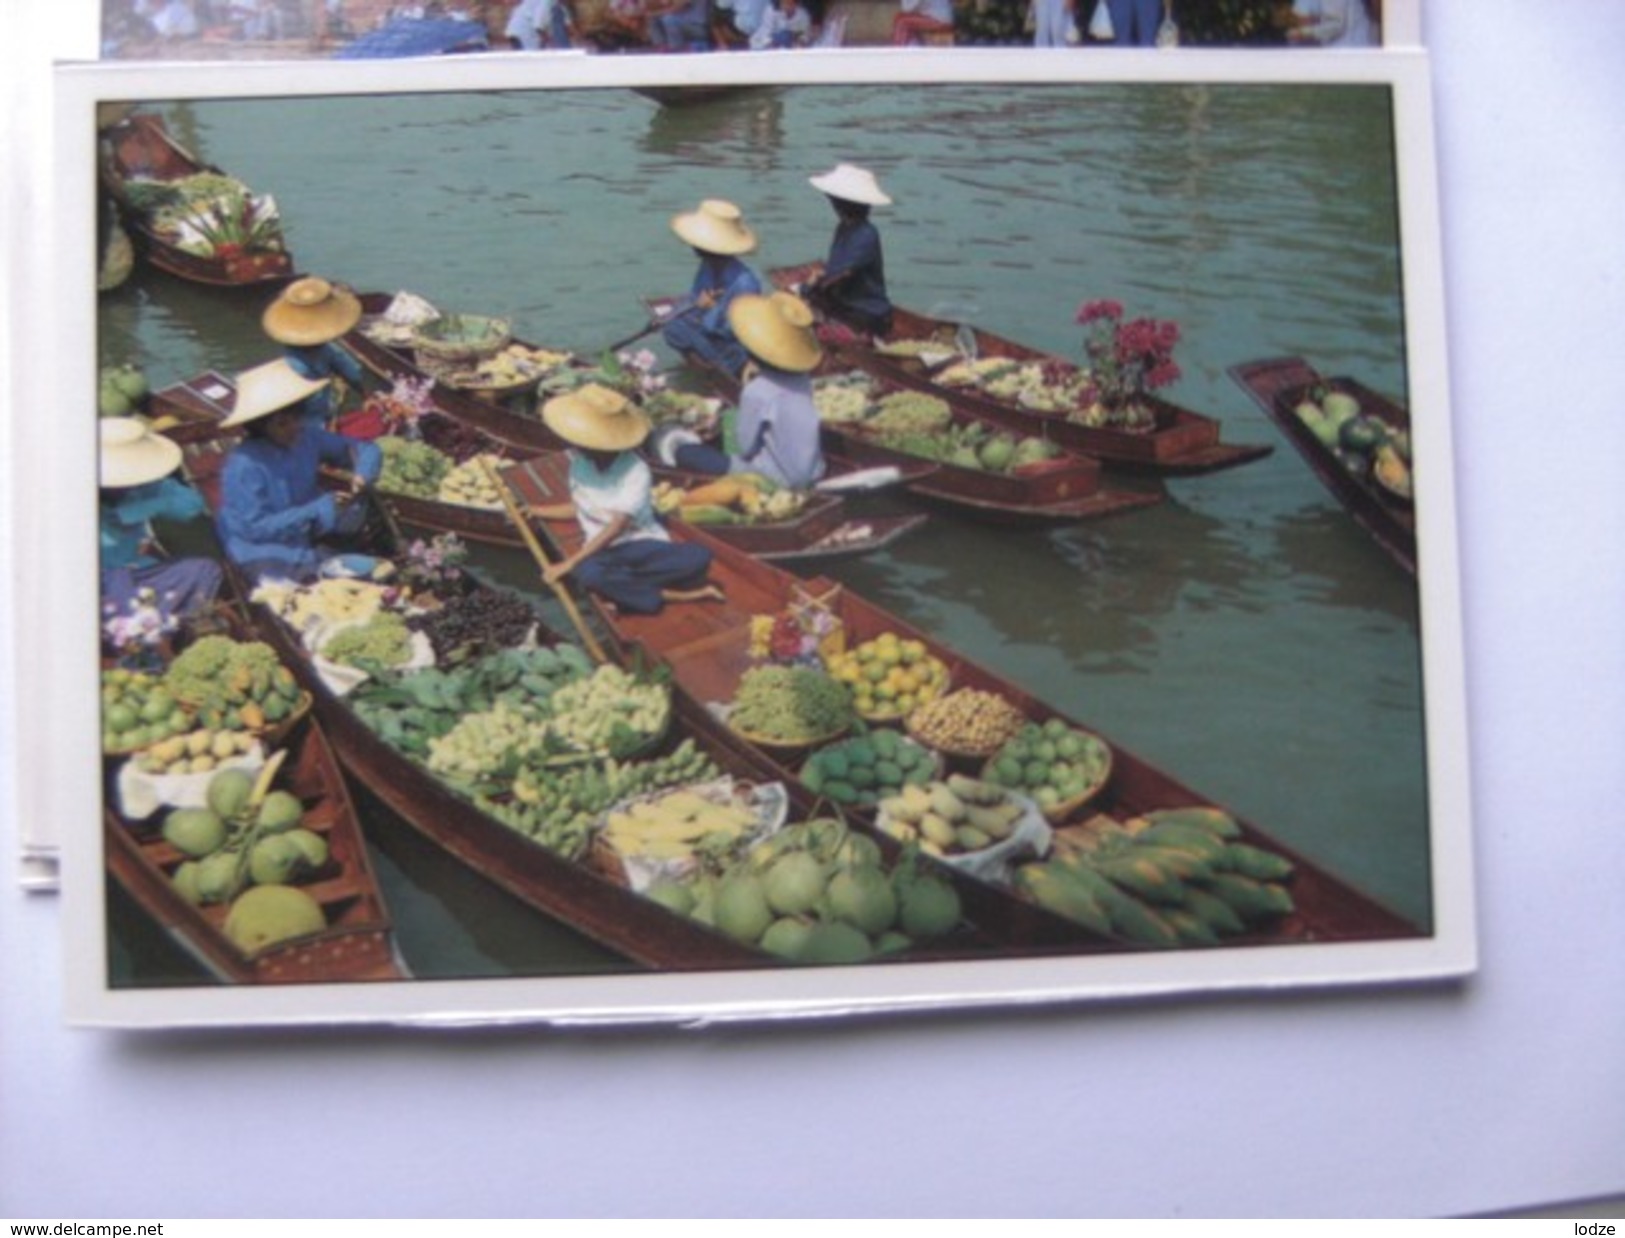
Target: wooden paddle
(517, 518)
(650, 328)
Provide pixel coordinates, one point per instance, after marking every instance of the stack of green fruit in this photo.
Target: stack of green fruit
(970, 445)
(242, 839)
(816, 893)
(121, 390)
(382, 641)
(910, 412)
(955, 817)
(138, 710)
(790, 705)
(1056, 765)
(862, 770)
(558, 807)
(236, 685)
(408, 710)
(611, 713)
(1172, 877)
(411, 467)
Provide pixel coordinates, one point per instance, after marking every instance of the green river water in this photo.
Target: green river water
(1244, 635)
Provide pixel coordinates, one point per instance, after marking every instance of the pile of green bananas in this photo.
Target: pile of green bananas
(1172, 877)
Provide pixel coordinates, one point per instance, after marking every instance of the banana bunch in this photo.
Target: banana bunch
(325, 602)
(780, 505)
(513, 364)
(842, 398)
(953, 817)
(671, 826)
(470, 484)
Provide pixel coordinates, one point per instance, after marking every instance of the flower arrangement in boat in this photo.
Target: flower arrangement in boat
(396, 411)
(139, 633)
(1127, 360)
(433, 566)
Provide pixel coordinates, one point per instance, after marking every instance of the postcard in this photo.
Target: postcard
(586, 543)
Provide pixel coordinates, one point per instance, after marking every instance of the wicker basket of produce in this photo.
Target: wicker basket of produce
(890, 677)
(975, 826)
(138, 711)
(666, 834)
(789, 709)
(461, 337)
(1061, 768)
(861, 771)
(967, 724)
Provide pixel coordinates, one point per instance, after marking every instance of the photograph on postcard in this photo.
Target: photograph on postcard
(835, 537)
(366, 29)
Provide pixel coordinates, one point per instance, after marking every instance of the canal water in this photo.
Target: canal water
(1244, 635)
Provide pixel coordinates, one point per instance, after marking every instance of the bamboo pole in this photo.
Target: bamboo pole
(517, 518)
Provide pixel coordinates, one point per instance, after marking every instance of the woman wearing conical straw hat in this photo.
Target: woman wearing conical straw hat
(626, 555)
(136, 487)
(852, 286)
(308, 318)
(276, 520)
(717, 232)
(778, 427)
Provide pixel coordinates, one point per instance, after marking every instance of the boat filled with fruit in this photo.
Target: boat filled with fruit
(982, 470)
(938, 753)
(600, 796)
(440, 473)
(187, 217)
(228, 821)
(1033, 393)
(1355, 440)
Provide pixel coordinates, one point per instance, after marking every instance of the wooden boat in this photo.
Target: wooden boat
(1279, 385)
(579, 894)
(117, 257)
(707, 649)
(508, 418)
(1181, 443)
(1061, 490)
(140, 148)
(691, 96)
(357, 945)
(825, 528)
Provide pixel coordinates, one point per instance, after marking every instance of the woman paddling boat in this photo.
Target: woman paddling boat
(625, 554)
(699, 328)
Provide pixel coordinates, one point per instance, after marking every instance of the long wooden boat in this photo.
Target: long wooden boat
(508, 417)
(358, 943)
(1279, 385)
(578, 894)
(140, 148)
(825, 527)
(707, 648)
(1064, 489)
(1180, 443)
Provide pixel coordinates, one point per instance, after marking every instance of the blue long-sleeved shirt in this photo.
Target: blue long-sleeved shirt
(127, 516)
(273, 510)
(729, 277)
(318, 361)
(855, 260)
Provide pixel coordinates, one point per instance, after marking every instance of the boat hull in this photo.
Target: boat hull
(1278, 385)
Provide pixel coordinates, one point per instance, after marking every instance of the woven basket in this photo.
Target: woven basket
(461, 337)
(1059, 812)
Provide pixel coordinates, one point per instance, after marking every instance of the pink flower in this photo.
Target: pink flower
(1091, 311)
